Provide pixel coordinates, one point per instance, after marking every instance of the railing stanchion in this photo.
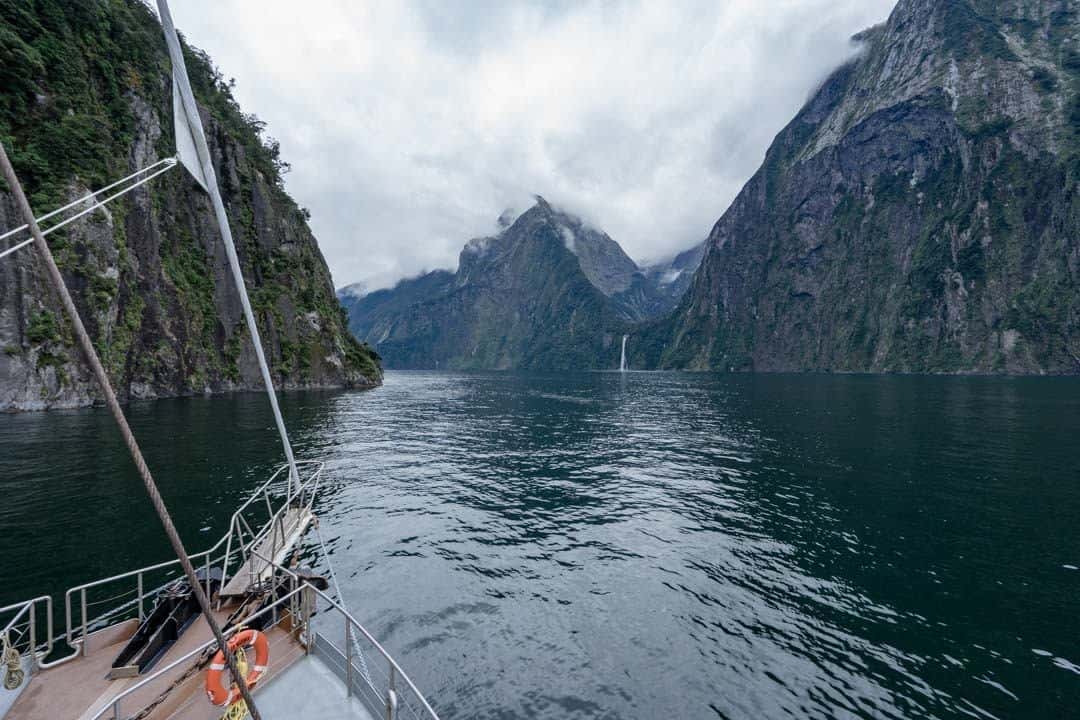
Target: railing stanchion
(67, 620)
(82, 605)
(391, 695)
(139, 585)
(33, 634)
(48, 627)
(293, 614)
(225, 559)
(348, 658)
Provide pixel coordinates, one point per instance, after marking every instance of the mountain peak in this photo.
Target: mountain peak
(548, 290)
(989, 63)
(354, 291)
(602, 259)
(506, 218)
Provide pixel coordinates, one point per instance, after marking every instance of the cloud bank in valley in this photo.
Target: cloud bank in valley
(412, 125)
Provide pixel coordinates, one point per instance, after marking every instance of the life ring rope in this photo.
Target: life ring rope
(246, 638)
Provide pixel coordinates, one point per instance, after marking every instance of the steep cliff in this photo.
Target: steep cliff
(86, 99)
(920, 214)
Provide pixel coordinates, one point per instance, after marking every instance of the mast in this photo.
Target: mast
(208, 179)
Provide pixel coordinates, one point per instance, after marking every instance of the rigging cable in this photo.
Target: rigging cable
(87, 346)
(169, 164)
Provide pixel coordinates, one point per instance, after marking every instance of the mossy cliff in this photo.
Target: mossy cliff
(86, 99)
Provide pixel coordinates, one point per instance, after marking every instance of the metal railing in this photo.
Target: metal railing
(114, 708)
(133, 599)
(396, 698)
(273, 527)
(380, 692)
(391, 694)
(383, 687)
(124, 595)
(21, 629)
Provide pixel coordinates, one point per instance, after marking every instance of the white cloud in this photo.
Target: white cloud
(568, 238)
(411, 125)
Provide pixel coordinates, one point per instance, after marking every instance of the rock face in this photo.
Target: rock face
(547, 292)
(372, 316)
(86, 101)
(920, 214)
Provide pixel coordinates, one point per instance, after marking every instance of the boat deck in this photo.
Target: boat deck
(79, 689)
(310, 689)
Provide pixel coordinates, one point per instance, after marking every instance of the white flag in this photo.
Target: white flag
(185, 142)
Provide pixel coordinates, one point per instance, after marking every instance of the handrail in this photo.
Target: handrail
(228, 632)
(304, 493)
(370, 638)
(382, 651)
(84, 626)
(304, 584)
(300, 493)
(75, 634)
(232, 524)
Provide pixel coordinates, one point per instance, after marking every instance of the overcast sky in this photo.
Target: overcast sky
(412, 124)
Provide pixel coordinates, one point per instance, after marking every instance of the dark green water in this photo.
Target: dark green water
(640, 546)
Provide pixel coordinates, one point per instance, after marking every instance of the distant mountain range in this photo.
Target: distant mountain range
(547, 291)
(920, 214)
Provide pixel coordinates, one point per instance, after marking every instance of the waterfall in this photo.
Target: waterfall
(622, 360)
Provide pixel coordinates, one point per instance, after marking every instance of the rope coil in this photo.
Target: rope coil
(12, 660)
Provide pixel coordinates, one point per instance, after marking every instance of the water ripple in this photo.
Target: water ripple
(639, 546)
(692, 546)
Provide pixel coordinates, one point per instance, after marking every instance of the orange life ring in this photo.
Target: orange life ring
(215, 690)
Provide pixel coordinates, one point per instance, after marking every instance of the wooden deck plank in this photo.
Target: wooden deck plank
(64, 691)
(294, 523)
(197, 634)
(79, 689)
